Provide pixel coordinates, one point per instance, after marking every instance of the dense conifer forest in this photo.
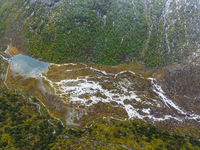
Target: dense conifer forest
(26, 124)
(104, 32)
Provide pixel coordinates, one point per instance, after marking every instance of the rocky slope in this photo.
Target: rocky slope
(48, 3)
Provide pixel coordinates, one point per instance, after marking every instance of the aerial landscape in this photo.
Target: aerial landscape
(100, 74)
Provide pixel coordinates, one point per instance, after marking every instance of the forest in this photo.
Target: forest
(87, 37)
(25, 125)
(110, 32)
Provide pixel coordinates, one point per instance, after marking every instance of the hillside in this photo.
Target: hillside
(26, 124)
(156, 32)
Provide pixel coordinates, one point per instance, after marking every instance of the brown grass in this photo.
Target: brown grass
(14, 51)
(159, 75)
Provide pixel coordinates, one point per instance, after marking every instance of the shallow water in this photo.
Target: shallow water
(25, 65)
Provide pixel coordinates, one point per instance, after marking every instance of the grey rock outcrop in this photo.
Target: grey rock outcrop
(48, 3)
(51, 3)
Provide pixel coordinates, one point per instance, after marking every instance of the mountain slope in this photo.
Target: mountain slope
(107, 32)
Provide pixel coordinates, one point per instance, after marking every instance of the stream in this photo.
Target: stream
(163, 12)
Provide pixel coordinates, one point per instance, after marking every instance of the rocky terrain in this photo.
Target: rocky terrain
(48, 3)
